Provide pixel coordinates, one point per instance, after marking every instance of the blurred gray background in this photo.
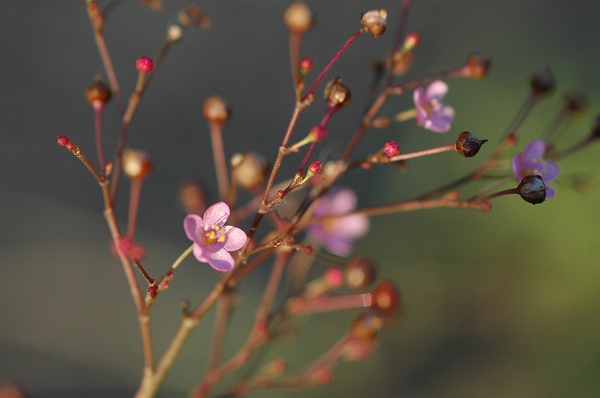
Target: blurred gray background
(504, 304)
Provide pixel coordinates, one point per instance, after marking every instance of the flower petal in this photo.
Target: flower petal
(551, 171)
(419, 97)
(200, 253)
(342, 201)
(352, 227)
(236, 238)
(550, 192)
(193, 226)
(338, 246)
(436, 90)
(216, 214)
(221, 260)
(535, 150)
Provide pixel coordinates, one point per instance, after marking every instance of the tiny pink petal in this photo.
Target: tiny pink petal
(437, 89)
(221, 261)
(535, 150)
(200, 253)
(216, 214)
(193, 226)
(236, 238)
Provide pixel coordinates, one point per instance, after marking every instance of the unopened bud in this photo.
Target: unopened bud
(318, 133)
(315, 167)
(391, 148)
(359, 273)
(476, 66)
(249, 169)
(215, 110)
(532, 189)
(411, 41)
(575, 102)
(306, 65)
(468, 145)
(192, 198)
(144, 64)
(192, 16)
(298, 18)
(337, 93)
(374, 22)
(366, 326)
(386, 298)
(174, 33)
(543, 82)
(98, 93)
(136, 163)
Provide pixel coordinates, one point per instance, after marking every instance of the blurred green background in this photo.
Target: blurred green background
(503, 304)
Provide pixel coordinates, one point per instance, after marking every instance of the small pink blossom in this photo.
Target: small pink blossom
(530, 162)
(128, 248)
(338, 234)
(431, 113)
(213, 240)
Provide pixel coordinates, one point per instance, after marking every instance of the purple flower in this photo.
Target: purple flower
(337, 234)
(530, 162)
(213, 240)
(431, 113)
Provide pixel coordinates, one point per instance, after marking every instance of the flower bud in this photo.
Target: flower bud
(575, 102)
(374, 22)
(359, 273)
(532, 189)
(476, 66)
(298, 18)
(401, 62)
(391, 148)
(249, 169)
(136, 163)
(144, 64)
(318, 133)
(215, 110)
(385, 298)
(192, 16)
(306, 65)
(468, 145)
(174, 33)
(337, 93)
(411, 41)
(543, 82)
(366, 326)
(62, 140)
(98, 93)
(315, 167)
(192, 198)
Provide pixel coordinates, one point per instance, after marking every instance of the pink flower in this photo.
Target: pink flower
(530, 162)
(431, 113)
(338, 234)
(128, 248)
(213, 240)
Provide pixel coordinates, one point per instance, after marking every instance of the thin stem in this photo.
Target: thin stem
(302, 306)
(332, 62)
(98, 128)
(216, 138)
(134, 200)
(134, 101)
(295, 41)
(411, 205)
(219, 330)
(182, 257)
(432, 151)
